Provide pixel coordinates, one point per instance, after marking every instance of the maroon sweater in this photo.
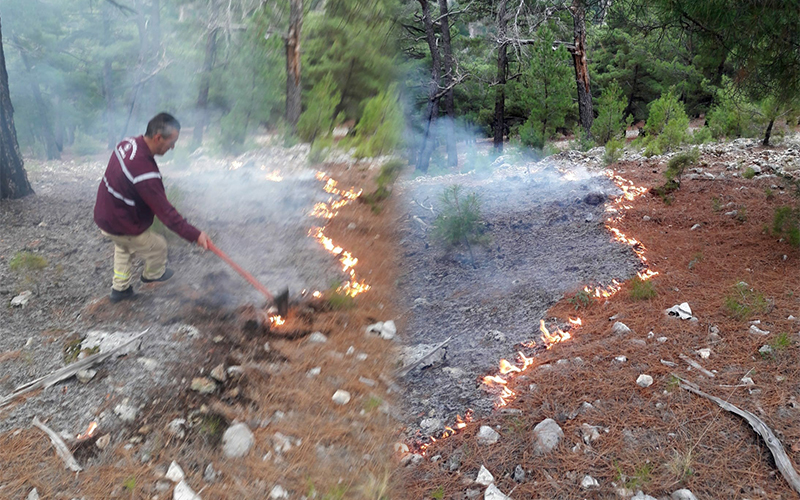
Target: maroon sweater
(131, 192)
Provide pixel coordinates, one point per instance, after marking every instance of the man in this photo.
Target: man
(130, 194)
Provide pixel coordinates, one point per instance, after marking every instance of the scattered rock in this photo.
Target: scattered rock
(546, 436)
(415, 352)
(314, 372)
(682, 311)
(149, 364)
(187, 330)
(367, 381)
(430, 425)
(485, 478)
(237, 440)
(704, 353)
(589, 482)
(218, 373)
(282, 443)
(105, 341)
(758, 331)
(103, 441)
(184, 492)
(620, 328)
(125, 413)
(175, 473)
(176, 428)
(235, 371)
(590, 433)
(487, 435)
(163, 486)
(748, 381)
(21, 300)
(765, 350)
(341, 397)
(519, 474)
(644, 380)
(389, 330)
(493, 493)
(594, 199)
(696, 226)
(683, 494)
(317, 338)
(84, 376)
(209, 474)
(620, 359)
(278, 493)
(33, 495)
(203, 385)
(646, 218)
(641, 496)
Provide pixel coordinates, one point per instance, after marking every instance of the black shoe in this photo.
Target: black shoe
(164, 277)
(117, 296)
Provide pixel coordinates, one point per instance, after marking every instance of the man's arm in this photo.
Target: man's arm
(152, 192)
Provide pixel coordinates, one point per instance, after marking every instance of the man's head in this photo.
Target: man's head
(162, 133)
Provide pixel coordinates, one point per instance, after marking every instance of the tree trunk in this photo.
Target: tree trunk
(45, 126)
(768, 132)
(13, 179)
(500, 84)
(449, 76)
(107, 80)
(293, 87)
(432, 111)
(585, 109)
(205, 84)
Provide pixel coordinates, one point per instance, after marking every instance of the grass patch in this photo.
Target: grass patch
(741, 214)
(696, 259)
(716, 205)
(786, 224)
(749, 173)
(639, 479)
(340, 301)
(372, 404)
(27, 262)
(130, 484)
(642, 290)
(580, 299)
(743, 302)
(681, 465)
(781, 342)
(460, 222)
(438, 493)
(769, 193)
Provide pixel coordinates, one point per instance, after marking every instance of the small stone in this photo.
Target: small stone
(217, 339)
(33, 495)
(485, 478)
(203, 385)
(125, 413)
(644, 380)
(361, 356)
(646, 218)
(590, 433)
(519, 474)
(209, 474)
(184, 492)
(103, 441)
(84, 376)
(218, 373)
(620, 328)
(317, 338)
(661, 340)
(430, 425)
(546, 436)
(641, 496)
(375, 328)
(235, 371)
(367, 381)
(149, 364)
(21, 300)
(748, 381)
(758, 331)
(278, 493)
(341, 397)
(765, 350)
(388, 330)
(589, 482)
(175, 473)
(237, 440)
(683, 494)
(620, 359)
(487, 435)
(493, 493)
(176, 428)
(350, 351)
(163, 485)
(314, 372)
(696, 226)
(704, 353)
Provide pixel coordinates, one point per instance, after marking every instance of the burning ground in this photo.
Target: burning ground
(712, 247)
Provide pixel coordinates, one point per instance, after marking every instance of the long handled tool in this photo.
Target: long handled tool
(281, 302)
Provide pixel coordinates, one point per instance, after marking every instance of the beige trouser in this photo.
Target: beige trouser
(149, 246)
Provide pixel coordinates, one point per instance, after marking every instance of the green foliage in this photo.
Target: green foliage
(749, 173)
(380, 130)
(786, 223)
(769, 194)
(642, 289)
(732, 114)
(614, 150)
(530, 135)
(667, 124)
(716, 205)
(681, 465)
(780, 342)
(339, 300)
(611, 121)
(460, 221)
(27, 262)
(372, 404)
(696, 259)
(388, 174)
(581, 299)
(741, 214)
(743, 302)
(702, 136)
(130, 484)
(318, 118)
(678, 164)
(438, 493)
(641, 476)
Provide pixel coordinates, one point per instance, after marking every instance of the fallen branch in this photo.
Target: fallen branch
(773, 443)
(695, 364)
(404, 371)
(65, 373)
(60, 446)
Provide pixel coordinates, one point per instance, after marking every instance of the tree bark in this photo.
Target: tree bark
(293, 83)
(205, 85)
(449, 76)
(768, 132)
(432, 110)
(43, 121)
(500, 84)
(585, 108)
(13, 178)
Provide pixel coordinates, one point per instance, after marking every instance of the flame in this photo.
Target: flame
(506, 367)
(274, 176)
(235, 165)
(575, 321)
(89, 432)
(277, 320)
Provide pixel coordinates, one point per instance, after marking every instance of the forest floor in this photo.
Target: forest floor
(549, 224)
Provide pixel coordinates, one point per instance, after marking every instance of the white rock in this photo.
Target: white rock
(175, 473)
(546, 436)
(149, 364)
(218, 373)
(485, 478)
(84, 376)
(33, 495)
(235, 371)
(237, 440)
(430, 425)
(209, 474)
(317, 338)
(106, 341)
(590, 433)
(644, 380)
(748, 381)
(125, 413)
(313, 372)
(589, 482)
(493, 493)
(188, 330)
(765, 350)
(641, 496)
(375, 328)
(103, 441)
(341, 397)
(620, 328)
(388, 330)
(758, 331)
(620, 359)
(696, 226)
(176, 428)
(282, 443)
(683, 494)
(682, 311)
(704, 353)
(21, 300)
(487, 435)
(278, 493)
(184, 492)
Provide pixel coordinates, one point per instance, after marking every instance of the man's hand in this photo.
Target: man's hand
(203, 240)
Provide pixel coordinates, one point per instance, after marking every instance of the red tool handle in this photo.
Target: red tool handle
(258, 286)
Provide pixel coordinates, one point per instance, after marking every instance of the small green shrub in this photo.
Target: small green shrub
(677, 164)
(380, 129)
(749, 173)
(130, 484)
(317, 120)
(696, 259)
(614, 150)
(339, 301)
(741, 214)
(781, 342)
(786, 223)
(702, 136)
(667, 124)
(611, 121)
(460, 222)
(388, 174)
(743, 302)
(769, 193)
(530, 135)
(582, 141)
(27, 262)
(716, 205)
(372, 404)
(580, 299)
(642, 290)
(438, 493)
